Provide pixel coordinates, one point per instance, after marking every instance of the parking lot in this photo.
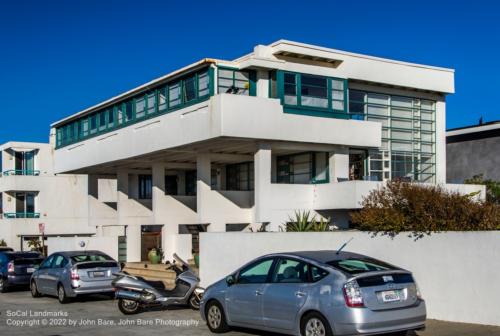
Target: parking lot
(23, 315)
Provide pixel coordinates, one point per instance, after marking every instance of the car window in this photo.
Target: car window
(317, 273)
(256, 273)
(59, 261)
(291, 271)
(46, 263)
(90, 257)
(360, 265)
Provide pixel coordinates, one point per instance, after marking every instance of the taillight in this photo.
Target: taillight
(419, 294)
(352, 295)
(10, 267)
(74, 275)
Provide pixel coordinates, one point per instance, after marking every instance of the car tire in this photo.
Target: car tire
(315, 324)
(3, 285)
(129, 307)
(34, 289)
(61, 294)
(216, 319)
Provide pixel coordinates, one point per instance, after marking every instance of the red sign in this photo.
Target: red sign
(41, 228)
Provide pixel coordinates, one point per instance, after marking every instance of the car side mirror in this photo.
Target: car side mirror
(230, 280)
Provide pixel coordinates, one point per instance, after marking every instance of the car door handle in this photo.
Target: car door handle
(258, 292)
(300, 294)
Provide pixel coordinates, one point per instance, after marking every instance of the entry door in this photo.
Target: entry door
(245, 296)
(20, 203)
(286, 294)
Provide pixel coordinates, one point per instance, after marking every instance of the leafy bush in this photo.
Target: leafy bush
(492, 187)
(3, 242)
(420, 209)
(303, 222)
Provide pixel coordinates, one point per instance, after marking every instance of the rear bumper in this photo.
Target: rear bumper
(18, 280)
(85, 287)
(362, 321)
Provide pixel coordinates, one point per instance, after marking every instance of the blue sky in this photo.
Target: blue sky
(59, 57)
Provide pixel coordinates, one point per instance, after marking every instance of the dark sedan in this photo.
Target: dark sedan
(16, 268)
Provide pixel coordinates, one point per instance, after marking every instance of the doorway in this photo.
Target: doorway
(357, 164)
(150, 238)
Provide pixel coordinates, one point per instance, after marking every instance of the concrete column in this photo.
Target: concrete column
(158, 193)
(339, 164)
(133, 231)
(441, 141)
(203, 176)
(122, 189)
(263, 84)
(262, 168)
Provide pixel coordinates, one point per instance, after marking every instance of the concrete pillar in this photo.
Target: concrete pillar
(133, 231)
(203, 176)
(158, 193)
(262, 168)
(263, 83)
(339, 164)
(441, 141)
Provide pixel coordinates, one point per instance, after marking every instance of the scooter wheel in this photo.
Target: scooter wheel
(129, 307)
(194, 302)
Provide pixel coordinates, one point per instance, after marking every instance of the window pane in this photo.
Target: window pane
(401, 101)
(380, 99)
(140, 105)
(174, 95)
(111, 118)
(291, 271)
(203, 82)
(151, 103)
(338, 84)
(338, 105)
(256, 273)
(162, 99)
(321, 161)
(189, 89)
(314, 91)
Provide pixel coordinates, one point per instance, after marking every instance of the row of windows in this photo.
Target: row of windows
(180, 93)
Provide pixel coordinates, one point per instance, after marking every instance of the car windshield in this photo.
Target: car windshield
(360, 265)
(90, 257)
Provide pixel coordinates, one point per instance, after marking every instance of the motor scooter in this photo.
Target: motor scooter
(135, 293)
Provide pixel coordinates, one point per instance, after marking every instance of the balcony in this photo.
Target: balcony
(11, 215)
(20, 172)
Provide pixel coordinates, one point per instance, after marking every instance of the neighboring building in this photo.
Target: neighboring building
(31, 194)
(473, 150)
(226, 145)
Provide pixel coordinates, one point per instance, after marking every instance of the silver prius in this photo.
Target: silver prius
(316, 293)
(70, 274)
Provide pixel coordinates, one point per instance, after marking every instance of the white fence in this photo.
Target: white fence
(458, 272)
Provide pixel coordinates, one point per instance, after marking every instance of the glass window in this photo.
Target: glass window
(317, 273)
(102, 120)
(90, 257)
(338, 94)
(203, 84)
(120, 113)
(30, 203)
(359, 265)
(145, 186)
(255, 273)
(321, 167)
(303, 168)
(290, 89)
(233, 81)
(140, 107)
(128, 111)
(314, 91)
(111, 118)
(162, 99)
(47, 262)
(189, 89)
(273, 85)
(174, 95)
(151, 103)
(240, 176)
(85, 127)
(59, 261)
(290, 271)
(93, 124)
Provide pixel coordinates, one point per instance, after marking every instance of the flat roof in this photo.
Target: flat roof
(491, 125)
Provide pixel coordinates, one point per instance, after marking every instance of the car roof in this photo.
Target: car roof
(322, 256)
(22, 253)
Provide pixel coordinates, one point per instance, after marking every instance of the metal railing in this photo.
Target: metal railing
(21, 215)
(21, 172)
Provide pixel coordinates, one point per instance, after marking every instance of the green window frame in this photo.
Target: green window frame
(235, 81)
(190, 89)
(310, 94)
(303, 168)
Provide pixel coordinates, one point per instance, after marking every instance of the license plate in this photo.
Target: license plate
(98, 274)
(30, 270)
(391, 296)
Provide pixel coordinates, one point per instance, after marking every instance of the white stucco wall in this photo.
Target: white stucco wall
(457, 272)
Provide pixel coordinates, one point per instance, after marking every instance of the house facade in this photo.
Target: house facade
(473, 150)
(33, 199)
(233, 145)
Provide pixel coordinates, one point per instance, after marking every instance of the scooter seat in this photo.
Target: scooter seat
(156, 284)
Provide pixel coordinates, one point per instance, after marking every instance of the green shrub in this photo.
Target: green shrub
(492, 187)
(420, 209)
(3, 242)
(303, 222)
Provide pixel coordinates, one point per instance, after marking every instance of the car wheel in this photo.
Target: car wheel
(61, 294)
(216, 320)
(194, 302)
(129, 307)
(314, 324)
(34, 289)
(3, 285)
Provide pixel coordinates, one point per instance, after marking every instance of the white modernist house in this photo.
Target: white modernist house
(31, 195)
(232, 145)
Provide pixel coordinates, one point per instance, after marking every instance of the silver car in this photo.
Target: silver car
(69, 274)
(316, 293)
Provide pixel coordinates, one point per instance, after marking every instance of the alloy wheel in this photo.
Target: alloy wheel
(61, 293)
(315, 327)
(214, 317)
(2, 284)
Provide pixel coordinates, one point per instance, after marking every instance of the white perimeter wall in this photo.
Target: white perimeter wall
(458, 272)
(108, 245)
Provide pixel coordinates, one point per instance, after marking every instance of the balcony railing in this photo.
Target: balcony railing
(21, 215)
(21, 172)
